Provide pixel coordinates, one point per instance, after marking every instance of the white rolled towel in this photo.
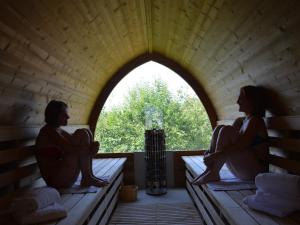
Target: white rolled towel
(272, 204)
(278, 183)
(34, 199)
(49, 213)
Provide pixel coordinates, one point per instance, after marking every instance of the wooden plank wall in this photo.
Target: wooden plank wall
(69, 50)
(62, 50)
(284, 142)
(18, 166)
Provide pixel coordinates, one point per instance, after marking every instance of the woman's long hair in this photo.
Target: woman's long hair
(256, 95)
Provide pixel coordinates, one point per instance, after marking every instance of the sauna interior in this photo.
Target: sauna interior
(77, 51)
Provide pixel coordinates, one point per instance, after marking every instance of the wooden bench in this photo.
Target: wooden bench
(226, 207)
(19, 170)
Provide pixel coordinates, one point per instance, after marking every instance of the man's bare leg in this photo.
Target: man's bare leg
(85, 159)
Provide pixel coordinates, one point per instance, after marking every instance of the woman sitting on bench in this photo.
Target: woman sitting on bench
(241, 146)
(61, 156)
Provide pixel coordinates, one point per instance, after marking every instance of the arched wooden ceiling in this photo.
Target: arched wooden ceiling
(70, 50)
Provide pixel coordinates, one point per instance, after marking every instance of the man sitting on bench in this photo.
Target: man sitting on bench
(60, 155)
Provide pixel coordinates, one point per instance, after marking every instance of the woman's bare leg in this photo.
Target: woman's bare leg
(212, 148)
(214, 138)
(82, 138)
(227, 135)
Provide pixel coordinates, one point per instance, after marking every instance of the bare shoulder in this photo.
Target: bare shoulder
(45, 136)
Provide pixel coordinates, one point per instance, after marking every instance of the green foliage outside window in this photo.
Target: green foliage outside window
(185, 121)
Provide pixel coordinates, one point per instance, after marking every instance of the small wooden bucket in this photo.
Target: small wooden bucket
(128, 193)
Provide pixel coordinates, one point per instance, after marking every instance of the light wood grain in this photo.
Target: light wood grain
(228, 203)
(70, 50)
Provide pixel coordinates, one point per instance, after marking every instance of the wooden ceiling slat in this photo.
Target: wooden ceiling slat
(70, 49)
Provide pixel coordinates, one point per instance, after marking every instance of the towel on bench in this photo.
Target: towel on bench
(279, 183)
(277, 194)
(49, 213)
(34, 199)
(272, 204)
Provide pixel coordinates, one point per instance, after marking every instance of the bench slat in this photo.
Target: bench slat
(11, 155)
(105, 203)
(283, 122)
(109, 210)
(69, 201)
(17, 174)
(230, 209)
(205, 201)
(288, 164)
(9, 133)
(199, 205)
(289, 144)
(81, 210)
(230, 203)
(219, 199)
(275, 123)
(75, 199)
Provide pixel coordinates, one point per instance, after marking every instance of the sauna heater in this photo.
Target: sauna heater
(155, 159)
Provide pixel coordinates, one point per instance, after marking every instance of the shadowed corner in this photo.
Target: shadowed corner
(276, 105)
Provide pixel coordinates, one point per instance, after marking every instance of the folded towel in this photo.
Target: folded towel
(51, 212)
(34, 199)
(272, 204)
(279, 183)
(265, 207)
(278, 200)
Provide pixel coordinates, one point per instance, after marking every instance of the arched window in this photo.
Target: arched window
(150, 89)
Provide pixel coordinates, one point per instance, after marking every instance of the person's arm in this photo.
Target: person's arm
(64, 142)
(244, 140)
(237, 123)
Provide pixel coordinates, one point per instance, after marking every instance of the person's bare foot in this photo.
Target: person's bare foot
(208, 177)
(93, 181)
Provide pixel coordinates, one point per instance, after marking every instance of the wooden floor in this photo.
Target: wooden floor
(174, 208)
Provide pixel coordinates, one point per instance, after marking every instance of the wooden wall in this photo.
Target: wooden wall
(70, 49)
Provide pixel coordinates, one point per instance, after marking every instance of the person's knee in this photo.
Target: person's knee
(218, 128)
(81, 137)
(88, 131)
(229, 132)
